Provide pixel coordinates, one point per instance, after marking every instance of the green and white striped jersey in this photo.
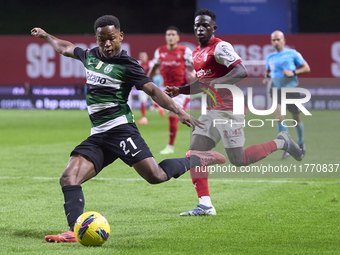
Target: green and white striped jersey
(109, 83)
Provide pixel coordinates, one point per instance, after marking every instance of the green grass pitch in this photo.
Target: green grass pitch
(254, 215)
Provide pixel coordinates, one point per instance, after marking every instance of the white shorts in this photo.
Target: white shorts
(181, 101)
(223, 125)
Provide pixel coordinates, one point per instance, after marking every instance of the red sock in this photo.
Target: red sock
(257, 152)
(173, 126)
(200, 181)
(187, 100)
(143, 109)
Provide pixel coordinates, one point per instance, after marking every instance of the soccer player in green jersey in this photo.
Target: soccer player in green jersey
(110, 75)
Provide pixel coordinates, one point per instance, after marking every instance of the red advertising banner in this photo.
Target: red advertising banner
(26, 59)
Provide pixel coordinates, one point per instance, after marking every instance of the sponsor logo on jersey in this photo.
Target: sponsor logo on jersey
(163, 54)
(202, 72)
(92, 78)
(171, 63)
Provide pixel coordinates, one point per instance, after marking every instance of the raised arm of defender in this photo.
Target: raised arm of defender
(63, 47)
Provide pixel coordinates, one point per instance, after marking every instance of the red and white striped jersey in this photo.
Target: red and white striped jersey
(173, 64)
(214, 60)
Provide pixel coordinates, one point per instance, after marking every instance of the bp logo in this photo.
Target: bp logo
(108, 68)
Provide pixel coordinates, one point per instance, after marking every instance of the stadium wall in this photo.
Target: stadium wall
(29, 63)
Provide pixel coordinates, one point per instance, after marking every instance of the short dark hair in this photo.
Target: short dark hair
(106, 20)
(206, 12)
(173, 28)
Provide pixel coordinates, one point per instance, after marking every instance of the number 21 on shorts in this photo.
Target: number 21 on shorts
(122, 144)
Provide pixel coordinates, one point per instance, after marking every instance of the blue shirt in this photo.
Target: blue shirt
(157, 79)
(288, 59)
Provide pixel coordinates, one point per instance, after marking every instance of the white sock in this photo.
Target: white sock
(279, 143)
(205, 200)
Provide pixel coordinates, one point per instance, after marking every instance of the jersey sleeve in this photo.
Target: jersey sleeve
(188, 57)
(151, 64)
(81, 54)
(298, 59)
(226, 55)
(135, 74)
(156, 59)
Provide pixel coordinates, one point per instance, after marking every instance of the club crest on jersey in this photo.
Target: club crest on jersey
(178, 55)
(108, 68)
(205, 57)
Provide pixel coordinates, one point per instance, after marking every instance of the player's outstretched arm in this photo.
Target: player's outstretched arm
(188, 89)
(171, 91)
(63, 47)
(166, 102)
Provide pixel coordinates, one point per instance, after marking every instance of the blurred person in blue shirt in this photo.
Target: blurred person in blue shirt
(282, 68)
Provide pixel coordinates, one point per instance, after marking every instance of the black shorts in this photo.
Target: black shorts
(291, 107)
(124, 142)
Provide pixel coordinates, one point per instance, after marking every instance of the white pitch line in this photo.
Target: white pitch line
(211, 180)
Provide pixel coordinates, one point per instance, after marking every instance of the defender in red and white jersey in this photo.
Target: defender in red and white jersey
(216, 59)
(216, 62)
(175, 63)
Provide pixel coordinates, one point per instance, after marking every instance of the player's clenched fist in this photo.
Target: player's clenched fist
(38, 32)
(171, 91)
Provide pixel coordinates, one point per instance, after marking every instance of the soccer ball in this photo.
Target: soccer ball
(92, 229)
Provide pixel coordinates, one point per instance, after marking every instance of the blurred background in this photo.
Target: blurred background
(33, 75)
(153, 16)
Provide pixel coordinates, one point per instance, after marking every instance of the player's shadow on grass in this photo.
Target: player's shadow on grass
(24, 233)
